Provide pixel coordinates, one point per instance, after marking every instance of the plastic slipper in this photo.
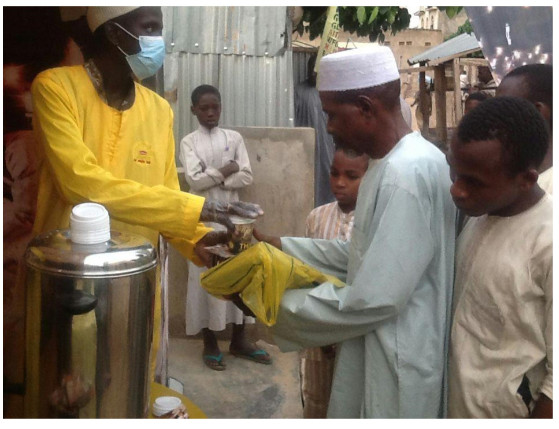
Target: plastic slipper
(214, 362)
(255, 356)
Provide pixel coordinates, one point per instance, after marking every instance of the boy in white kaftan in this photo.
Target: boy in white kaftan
(202, 153)
(216, 164)
(330, 221)
(501, 345)
(392, 319)
(504, 272)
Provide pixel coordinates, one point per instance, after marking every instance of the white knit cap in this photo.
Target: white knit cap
(357, 68)
(97, 16)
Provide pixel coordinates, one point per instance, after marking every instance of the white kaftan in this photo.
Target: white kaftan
(546, 180)
(392, 320)
(202, 153)
(501, 348)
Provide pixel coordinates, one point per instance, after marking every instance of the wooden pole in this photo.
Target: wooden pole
(440, 100)
(424, 126)
(457, 91)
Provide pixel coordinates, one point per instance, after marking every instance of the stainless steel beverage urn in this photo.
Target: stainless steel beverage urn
(90, 303)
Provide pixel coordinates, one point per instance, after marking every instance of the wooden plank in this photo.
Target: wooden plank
(474, 62)
(416, 69)
(451, 57)
(424, 126)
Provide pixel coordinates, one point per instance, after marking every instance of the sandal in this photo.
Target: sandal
(214, 362)
(260, 356)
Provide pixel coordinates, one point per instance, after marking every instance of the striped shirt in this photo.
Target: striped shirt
(329, 222)
(317, 363)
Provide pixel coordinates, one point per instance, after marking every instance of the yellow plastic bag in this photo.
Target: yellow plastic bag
(260, 275)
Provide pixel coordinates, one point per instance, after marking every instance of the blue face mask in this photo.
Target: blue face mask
(150, 58)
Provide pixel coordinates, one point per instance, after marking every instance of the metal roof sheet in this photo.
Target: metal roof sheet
(456, 46)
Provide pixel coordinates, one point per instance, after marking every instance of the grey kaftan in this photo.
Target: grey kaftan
(392, 320)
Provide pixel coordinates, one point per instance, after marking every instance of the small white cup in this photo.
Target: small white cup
(90, 224)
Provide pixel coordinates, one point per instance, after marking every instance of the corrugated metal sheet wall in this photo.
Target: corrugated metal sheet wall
(236, 30)
(256, 88)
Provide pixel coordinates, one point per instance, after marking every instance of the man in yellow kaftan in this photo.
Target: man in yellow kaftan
(105, 138)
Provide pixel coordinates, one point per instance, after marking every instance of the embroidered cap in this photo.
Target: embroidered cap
(357, 68)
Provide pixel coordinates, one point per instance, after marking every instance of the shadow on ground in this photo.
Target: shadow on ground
(245, 389)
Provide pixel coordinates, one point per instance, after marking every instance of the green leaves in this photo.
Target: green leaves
(451, 11)
(371, 21)
(389, 13)
(373, 15)
(361, 15)
(391, 16)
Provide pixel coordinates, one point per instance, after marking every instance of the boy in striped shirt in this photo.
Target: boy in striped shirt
(330, 221)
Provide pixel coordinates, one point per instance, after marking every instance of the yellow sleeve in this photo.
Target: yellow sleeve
(79, 177)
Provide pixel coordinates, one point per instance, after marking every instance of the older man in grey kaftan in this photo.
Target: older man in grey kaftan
(392, 319)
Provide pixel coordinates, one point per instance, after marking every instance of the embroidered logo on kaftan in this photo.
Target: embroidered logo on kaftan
(142, 154)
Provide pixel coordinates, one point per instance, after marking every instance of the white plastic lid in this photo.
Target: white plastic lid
(90, 224)
(165, 404)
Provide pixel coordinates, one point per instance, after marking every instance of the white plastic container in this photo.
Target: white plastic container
(90, 224)
(165, 404)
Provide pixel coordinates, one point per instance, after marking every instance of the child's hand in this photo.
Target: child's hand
(270, 239)
(229, 169)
